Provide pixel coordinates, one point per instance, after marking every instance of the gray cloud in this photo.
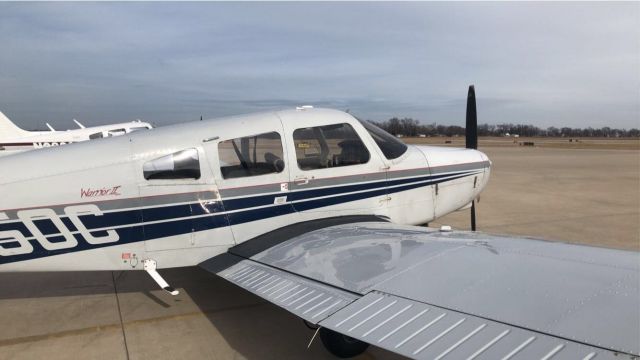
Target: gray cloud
(574, 64)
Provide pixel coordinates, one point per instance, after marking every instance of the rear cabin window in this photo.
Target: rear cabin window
(329, 146)
(251, 156)
(179, 165)
(391, 147)
(96, 136)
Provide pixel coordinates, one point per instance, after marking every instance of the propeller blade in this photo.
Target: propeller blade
(473, 215)
(471, 138)
(472, 120)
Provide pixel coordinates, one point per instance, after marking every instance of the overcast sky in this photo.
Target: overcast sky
(569, 64)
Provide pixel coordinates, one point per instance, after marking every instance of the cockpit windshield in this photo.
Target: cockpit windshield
(391, 147)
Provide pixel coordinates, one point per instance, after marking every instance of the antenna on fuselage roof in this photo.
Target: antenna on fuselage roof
(78, 123)
(471, 138)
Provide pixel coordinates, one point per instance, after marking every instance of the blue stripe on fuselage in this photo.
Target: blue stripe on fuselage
(178, 218)
(168, 212)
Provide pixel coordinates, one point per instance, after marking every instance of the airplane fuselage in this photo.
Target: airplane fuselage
(30, 140)
(185, 193)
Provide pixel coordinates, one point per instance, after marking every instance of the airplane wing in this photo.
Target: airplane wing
(428, 294)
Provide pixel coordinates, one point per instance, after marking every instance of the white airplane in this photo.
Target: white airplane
(316, 211)
(14, 139)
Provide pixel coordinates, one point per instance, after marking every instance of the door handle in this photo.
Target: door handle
(301, 181)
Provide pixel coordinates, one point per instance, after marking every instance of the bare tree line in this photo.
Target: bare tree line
(412, 127)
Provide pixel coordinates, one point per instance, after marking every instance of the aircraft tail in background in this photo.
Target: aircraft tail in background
(9, 130)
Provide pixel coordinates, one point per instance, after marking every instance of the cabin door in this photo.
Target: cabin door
(253, 179)
(334, 172)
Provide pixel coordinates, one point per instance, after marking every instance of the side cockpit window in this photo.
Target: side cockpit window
(251, 155)
(116, 132)
(138, 128)
(179, 165)
(329, 146)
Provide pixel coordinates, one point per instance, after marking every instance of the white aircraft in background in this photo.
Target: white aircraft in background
(316, 211)
(14, 139)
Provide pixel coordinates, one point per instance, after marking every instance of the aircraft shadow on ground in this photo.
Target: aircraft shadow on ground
(249, 325)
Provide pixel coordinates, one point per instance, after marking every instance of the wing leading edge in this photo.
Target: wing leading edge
(426, 294)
